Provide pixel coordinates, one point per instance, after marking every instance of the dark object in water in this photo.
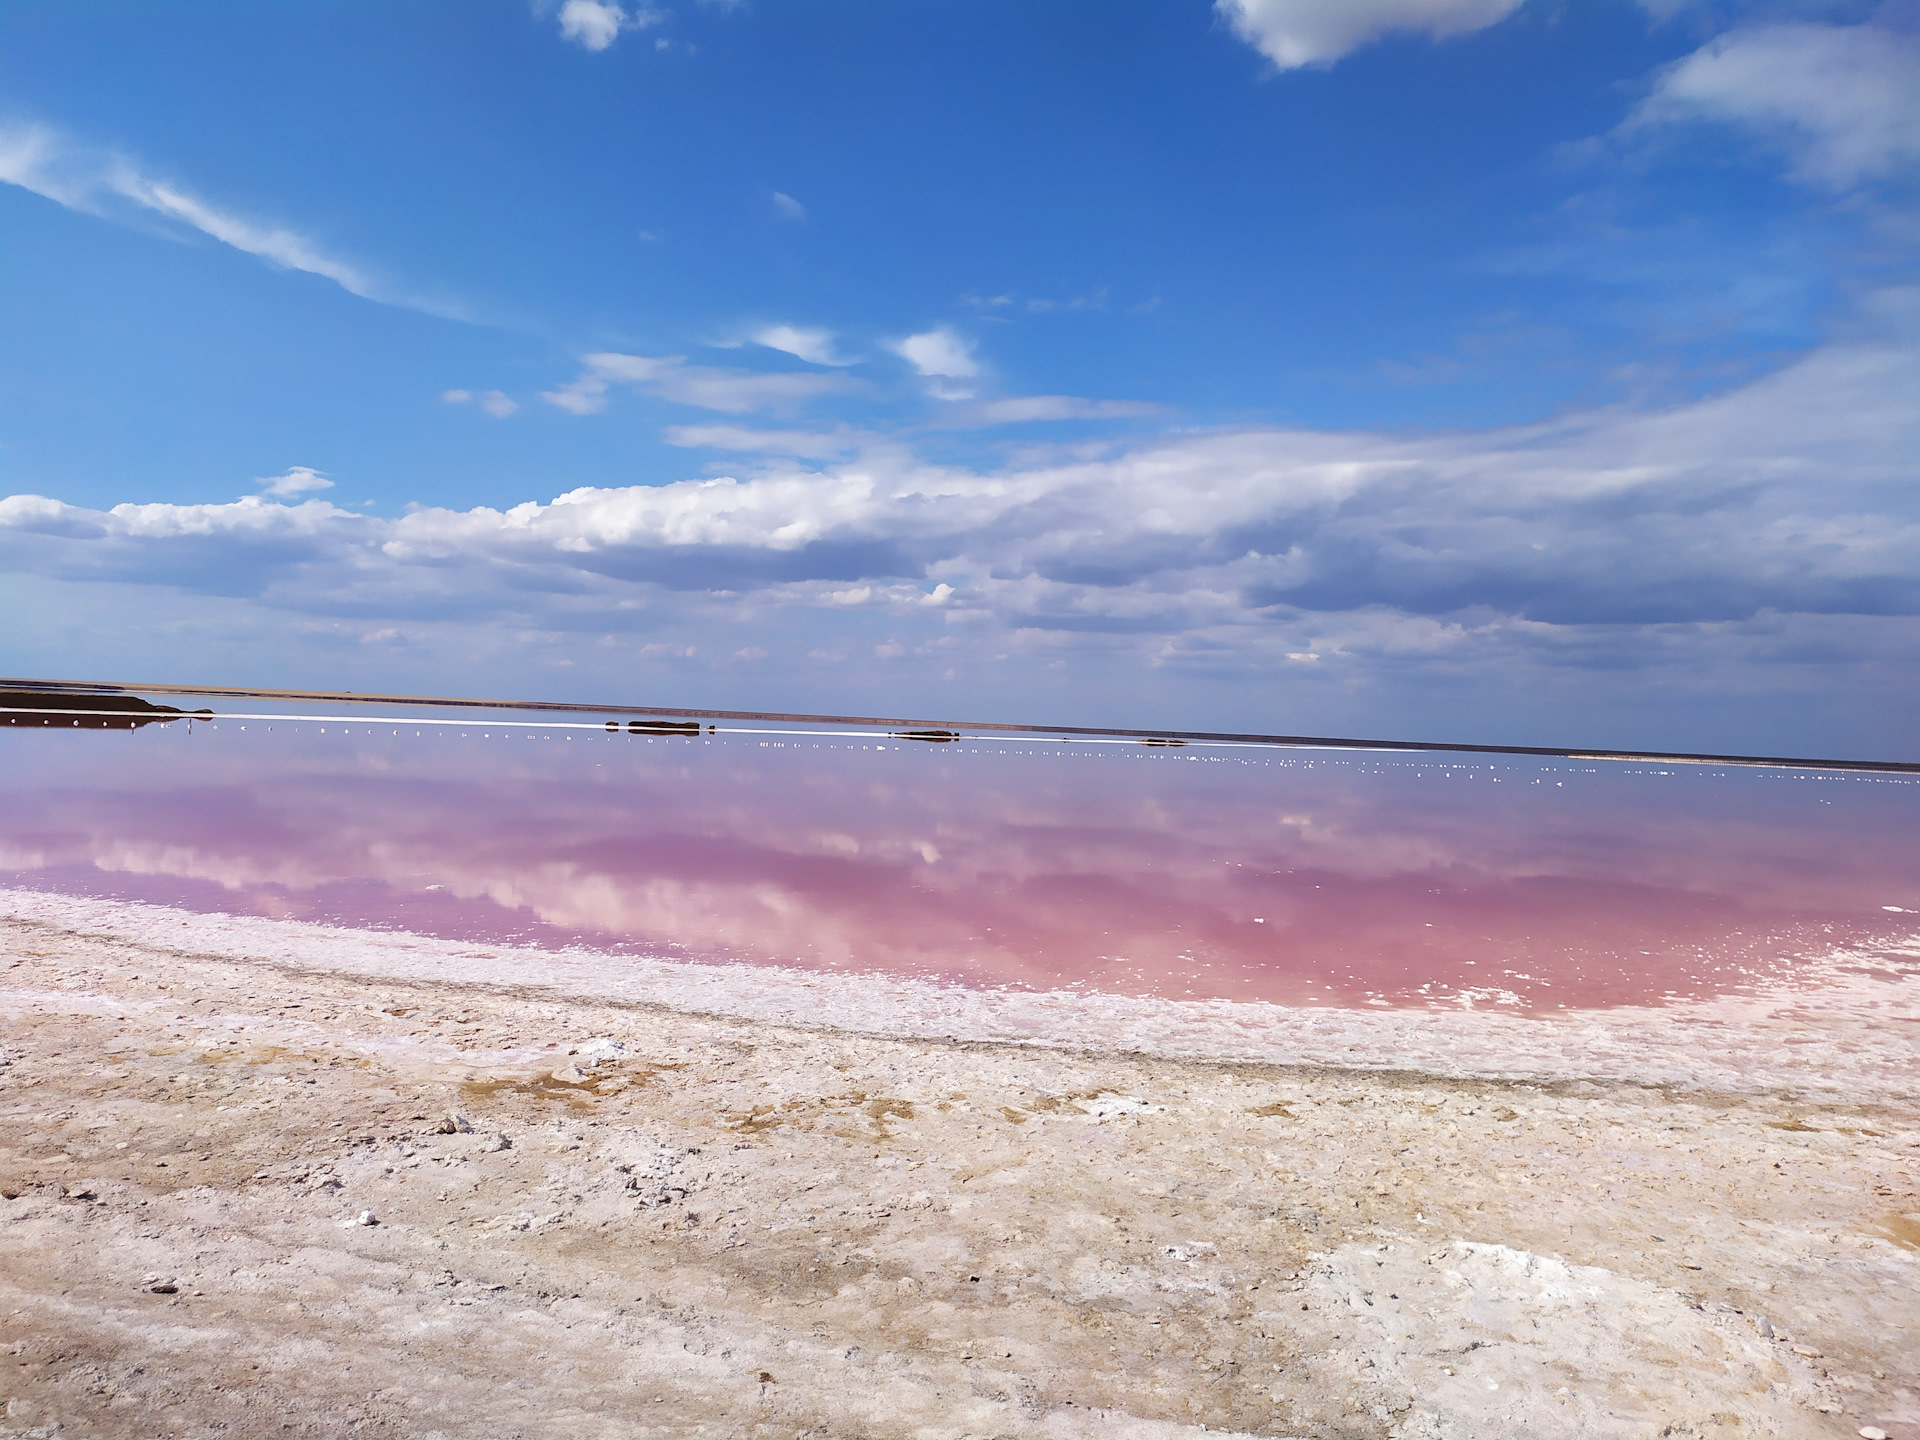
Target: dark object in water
(24, 708)
(932, 737)
(1161, 740)
(658, 727)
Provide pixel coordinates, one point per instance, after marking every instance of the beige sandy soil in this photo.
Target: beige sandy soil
(243, 1198)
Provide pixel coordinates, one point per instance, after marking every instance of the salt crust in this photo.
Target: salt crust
(1847, 1027)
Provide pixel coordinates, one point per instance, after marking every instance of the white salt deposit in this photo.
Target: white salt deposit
(1847, 1025)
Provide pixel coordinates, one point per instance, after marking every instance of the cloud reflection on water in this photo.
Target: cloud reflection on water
(1286, 876)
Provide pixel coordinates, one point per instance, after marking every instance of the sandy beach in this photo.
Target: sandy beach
(263, 1178)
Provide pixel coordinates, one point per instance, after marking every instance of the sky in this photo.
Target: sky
(1503, 371)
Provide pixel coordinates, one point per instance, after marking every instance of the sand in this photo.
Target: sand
(269, 1179)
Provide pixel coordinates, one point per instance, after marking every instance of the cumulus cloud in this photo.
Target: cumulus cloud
(1737, 549)
(41, 159)
(813, 346)
(1841, 101)
(939, 352)
(1792, 495)
(1293, 33)
(298, 480)
(943, 358)
(706, 387)
(596, 24)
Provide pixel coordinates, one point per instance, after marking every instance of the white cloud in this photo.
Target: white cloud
(807, 444)
(788, 208)
(1014, 409)
(1792, 492)
(35, 158)
(707, 387)
(942, 357)
(298, 480)
(1293, 33)
(1730, 544)
(939, 352)
(813, 346)
(496, 403)
(596, 24)
(40, 159)
(1842, 101)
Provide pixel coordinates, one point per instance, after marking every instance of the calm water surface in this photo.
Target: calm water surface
(1295, 876)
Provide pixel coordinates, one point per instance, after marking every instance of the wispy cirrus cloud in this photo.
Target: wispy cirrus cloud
(496, 403)
(101, 182)
(1841, 102)
(815, 346)
(707, 387)
(298, 480)
(803, 444)
(1018, 409)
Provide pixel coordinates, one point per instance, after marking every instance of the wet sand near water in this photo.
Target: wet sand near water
(257, 1187)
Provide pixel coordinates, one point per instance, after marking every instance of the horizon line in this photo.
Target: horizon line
(1065, 732)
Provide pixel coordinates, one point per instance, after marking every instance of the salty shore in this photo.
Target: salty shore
(264, 1178)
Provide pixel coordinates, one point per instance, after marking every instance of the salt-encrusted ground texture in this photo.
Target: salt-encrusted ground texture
(619, 1198)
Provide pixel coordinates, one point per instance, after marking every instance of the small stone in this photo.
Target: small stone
(366, 1217)
(497, 1144)
(1806, 1350)
(160, 1285)
(570, 1074)
(1872, 1432)
(601, 1051)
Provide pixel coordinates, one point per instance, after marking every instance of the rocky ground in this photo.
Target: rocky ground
(243, 1198)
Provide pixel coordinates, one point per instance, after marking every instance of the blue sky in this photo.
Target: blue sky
(1488, 369)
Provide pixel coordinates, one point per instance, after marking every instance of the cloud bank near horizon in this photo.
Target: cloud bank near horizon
(1612, 541)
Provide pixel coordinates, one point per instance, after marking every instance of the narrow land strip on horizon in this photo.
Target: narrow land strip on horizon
(957, 727)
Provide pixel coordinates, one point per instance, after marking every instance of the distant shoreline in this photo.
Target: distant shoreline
(959, 729)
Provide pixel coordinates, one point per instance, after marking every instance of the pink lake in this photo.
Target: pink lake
(1295, 876)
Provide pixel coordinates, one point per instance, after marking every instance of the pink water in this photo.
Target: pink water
(1293, 876)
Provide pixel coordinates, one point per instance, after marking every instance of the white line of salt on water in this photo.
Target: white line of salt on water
(1836, 1032)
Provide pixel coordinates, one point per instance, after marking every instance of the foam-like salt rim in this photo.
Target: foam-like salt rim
(1849, 1025)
